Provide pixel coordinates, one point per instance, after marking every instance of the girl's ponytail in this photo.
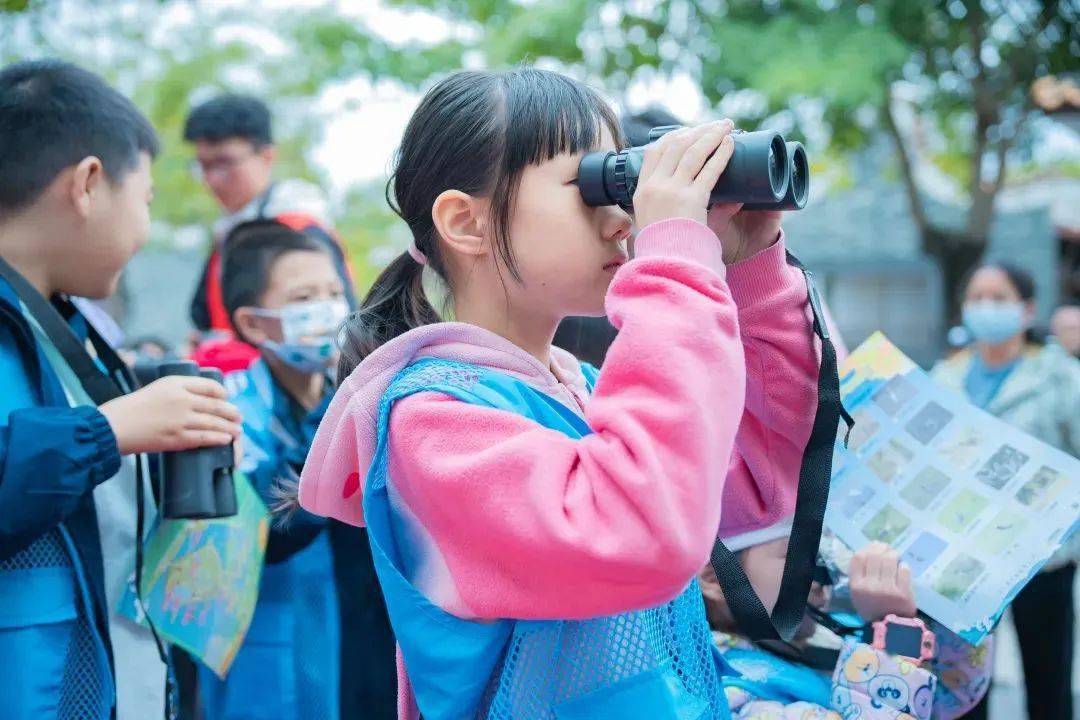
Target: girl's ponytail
(395, 304)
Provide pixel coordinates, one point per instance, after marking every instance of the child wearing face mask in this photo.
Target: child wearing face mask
(537, 524)
(285, 297)
(882, 674)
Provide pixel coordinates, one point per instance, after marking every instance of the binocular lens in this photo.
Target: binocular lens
(777, 164)
(800, 175)
(798, 187)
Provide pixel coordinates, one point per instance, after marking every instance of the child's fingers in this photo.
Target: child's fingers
(903, 578)
(655, 151)
(205, 438)
(676, 148)
(712, 170)
(221, 408)
(857, 569)
(873, 568)
(883, 568)
(881, 571)
(205, 387)
(212, 423)
(890, 564)
(873, 548)
(703, 148)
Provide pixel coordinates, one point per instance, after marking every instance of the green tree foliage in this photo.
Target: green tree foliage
(967, 64)
(830, 67)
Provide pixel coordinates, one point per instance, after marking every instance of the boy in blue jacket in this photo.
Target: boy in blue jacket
(75, 190)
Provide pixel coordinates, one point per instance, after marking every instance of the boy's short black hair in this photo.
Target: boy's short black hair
(53, 115)
(230, 116)
(251, 249)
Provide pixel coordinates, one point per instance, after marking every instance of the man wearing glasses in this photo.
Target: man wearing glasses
(235, 155)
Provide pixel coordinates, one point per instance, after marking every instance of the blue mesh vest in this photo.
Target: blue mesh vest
(57, 665)
(655, 664)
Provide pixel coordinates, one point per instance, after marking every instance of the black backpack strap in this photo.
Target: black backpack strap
(813, 495)
(100, 387)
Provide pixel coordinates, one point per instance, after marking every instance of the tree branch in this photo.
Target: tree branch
(986, 115)
(980, 215)
(1000, 154)
(907, 172)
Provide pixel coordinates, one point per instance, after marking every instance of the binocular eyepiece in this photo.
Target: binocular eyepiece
(764, 173)
(197, 484)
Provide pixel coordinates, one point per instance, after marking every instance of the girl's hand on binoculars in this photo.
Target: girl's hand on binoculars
(679, 172)
(743, 234)
(173, 413)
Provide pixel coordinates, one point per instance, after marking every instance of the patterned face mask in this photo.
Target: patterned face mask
(307, 330)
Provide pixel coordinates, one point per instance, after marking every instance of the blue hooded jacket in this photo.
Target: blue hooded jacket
(52, 456)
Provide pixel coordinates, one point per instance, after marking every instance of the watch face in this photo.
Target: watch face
(903, 640)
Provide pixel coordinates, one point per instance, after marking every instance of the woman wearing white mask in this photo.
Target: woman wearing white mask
(1036, 388)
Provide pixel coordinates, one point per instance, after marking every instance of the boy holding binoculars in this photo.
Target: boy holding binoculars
(75, 190)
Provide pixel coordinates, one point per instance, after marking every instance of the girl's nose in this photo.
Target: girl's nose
(615, 224)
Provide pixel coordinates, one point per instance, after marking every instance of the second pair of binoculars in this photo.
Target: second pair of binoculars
(196, 484)
(765, 172)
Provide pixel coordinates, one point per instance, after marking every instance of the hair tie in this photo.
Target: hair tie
(416, 254)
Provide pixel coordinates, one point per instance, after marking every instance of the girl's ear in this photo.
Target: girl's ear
(461, 221)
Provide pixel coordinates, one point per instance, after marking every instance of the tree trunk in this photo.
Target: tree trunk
(956, 254)
(955, 251)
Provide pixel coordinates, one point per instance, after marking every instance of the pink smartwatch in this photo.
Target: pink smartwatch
(906, 638)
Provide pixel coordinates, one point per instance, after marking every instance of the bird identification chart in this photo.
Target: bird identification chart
(974, 506)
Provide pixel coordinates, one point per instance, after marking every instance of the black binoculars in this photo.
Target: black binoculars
(196, 484)
(764, 173)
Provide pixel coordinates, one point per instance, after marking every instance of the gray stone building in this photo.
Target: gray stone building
(864, 247)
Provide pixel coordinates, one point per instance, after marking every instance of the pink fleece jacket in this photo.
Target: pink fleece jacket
(700, 416)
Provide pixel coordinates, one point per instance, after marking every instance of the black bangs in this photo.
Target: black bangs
(547, 114)
(474, 132)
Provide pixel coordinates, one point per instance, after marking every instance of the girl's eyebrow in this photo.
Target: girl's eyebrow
(302, 288)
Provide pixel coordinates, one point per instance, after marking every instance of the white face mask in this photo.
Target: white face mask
(993, 322)
(307, 330)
